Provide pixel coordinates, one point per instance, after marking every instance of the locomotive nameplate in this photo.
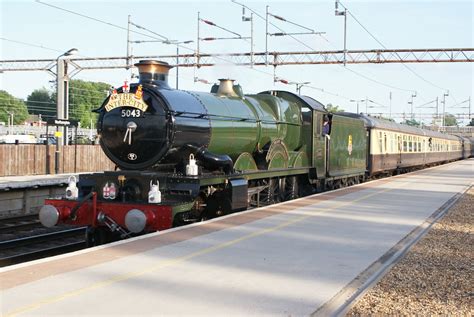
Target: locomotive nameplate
(125, 100)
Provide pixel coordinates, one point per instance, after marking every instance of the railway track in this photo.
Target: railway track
(21, 223)
(38, 246)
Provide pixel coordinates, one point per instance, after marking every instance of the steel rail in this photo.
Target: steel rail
(20, 222)
(38, 246)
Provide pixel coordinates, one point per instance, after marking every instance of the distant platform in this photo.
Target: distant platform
(287, 259)
(30, 181)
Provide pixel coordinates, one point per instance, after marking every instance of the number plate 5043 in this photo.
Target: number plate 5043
(133, 113)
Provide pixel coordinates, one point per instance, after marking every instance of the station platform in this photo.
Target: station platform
(290, 259)
(29, 181)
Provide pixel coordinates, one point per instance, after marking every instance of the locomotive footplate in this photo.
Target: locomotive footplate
(133, 202)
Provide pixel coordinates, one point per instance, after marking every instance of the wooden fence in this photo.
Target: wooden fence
(37, 159)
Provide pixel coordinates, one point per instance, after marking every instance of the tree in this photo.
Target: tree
(450, 120)
(333, 109)
(412, 122)
(42, 102)
(471, 124)
(388, 119)
(85, 96)
(10, 105)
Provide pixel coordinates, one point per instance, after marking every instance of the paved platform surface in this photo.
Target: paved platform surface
(287, 259)
(19, 182)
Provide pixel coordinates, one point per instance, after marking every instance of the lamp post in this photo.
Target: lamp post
(177, 56)
(10, 121)
(342, 13)
(390, 107)
(444, 107)
(299, 86)
(62, 91)
(411, 105)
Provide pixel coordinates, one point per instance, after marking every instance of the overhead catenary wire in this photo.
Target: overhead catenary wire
(311, 48)
(152, 32)
(219, 27)
(101, 21)
(30, 44)
(381, 44)
(291, 22)
(256, 13)
(111, 24)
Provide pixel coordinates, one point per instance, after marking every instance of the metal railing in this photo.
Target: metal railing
(38, 131)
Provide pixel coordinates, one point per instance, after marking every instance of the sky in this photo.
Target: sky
(46, 32)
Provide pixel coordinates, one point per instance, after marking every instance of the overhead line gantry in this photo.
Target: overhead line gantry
(375, 56)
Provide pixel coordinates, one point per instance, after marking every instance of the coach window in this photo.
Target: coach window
(410, 144)
(405, 148)
(392, 146)
(380, 143)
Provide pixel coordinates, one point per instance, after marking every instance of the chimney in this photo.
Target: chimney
(226, 88)
(153, 72)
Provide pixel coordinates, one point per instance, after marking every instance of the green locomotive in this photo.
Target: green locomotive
(186, 156)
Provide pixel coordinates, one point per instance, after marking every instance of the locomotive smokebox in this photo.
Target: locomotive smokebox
(154, 72)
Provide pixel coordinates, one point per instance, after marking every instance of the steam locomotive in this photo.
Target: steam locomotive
(185, 156)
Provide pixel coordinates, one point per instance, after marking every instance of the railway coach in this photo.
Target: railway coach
(395, 148)
(467, 147)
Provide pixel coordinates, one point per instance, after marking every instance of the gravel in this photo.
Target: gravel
(436, 275)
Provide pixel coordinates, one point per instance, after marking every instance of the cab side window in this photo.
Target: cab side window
(326, 127)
